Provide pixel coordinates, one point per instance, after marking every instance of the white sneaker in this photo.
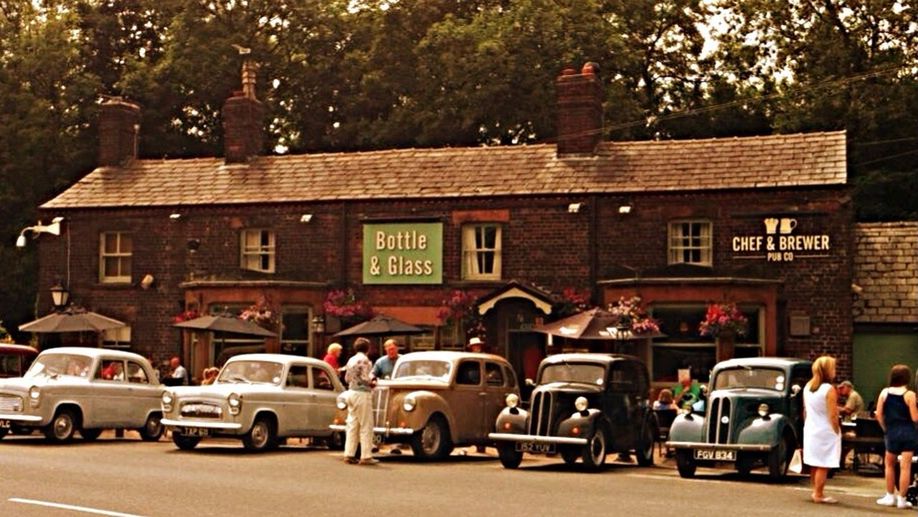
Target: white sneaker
(902, 503)
(887, 500)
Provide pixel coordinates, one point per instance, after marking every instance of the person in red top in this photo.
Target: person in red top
(332, 355)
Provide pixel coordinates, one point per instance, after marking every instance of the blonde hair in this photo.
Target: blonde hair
(334, 346)
(823, 371)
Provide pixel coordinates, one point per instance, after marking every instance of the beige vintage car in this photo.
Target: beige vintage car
(438, 400)
(261, 399)
(85, 390)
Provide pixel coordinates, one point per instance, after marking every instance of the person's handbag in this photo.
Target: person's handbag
(796, 462)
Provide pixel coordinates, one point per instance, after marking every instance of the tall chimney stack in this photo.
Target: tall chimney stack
(119, 128)
(243, 116)
(579, 110)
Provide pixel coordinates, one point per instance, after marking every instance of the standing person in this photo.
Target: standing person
(384, 366)
(897, 414)
(359, 377)
(476, 345)
(332, 354)
(850, 402)
(821, 427)
(209, 375)
(178, 371)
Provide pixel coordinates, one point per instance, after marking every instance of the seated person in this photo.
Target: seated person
(77, 367)
(688, 391)
(664, 401)
(113, 371)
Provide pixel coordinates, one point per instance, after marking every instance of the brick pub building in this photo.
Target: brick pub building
(766, 222)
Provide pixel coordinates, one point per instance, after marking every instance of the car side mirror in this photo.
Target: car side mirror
(529, 383)
(795, 389)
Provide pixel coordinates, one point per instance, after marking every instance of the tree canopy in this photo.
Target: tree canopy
(339, 75)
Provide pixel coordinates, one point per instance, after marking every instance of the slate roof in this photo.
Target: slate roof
(886, 267)
(676, 165)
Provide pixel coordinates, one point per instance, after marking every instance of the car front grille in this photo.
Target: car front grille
(542, 416)
(196, 410)
(720, 420)
(10, 403)
(380, 406)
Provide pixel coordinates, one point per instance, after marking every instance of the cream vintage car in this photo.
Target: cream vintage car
(259, 398)
(85, 390)
(438, 400)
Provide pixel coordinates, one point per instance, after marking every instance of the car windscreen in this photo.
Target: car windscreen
(573, 372)
(749, 377)
(251, 372)
(423, 369)
(52, 365)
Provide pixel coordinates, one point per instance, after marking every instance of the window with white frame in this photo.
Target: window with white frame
(115, 255)
(257, 250)
(295, 330)
(481, 252)
(690, 242)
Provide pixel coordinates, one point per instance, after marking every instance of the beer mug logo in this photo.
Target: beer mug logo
(771, 225)
(788, 225)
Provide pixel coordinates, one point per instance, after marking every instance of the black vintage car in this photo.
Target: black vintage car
(753, 417)
(583, 406)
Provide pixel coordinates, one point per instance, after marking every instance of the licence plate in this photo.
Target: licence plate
(4, 424)
(537, 448)
(715, 455)
(193, 431)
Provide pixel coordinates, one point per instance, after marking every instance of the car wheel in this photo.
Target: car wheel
(685, 463)
(594, 452)
(90, 435)
(62, 426)
(570, 455)
(779, 459)
(153, 429)
(744, 464)
(335, 442)
(509, 457)
(646, 445)
(431, 442)
(261, 436)
(185, 443)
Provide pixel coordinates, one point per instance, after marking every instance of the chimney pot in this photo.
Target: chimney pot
(579, 110)
(243, 117)
(119, 129)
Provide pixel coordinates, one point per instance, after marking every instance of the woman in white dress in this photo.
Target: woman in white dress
(821, 427)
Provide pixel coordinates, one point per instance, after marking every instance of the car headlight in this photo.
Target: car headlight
(235, 403)
(581, 403)
(341, 402)
(512, 400)
(410, 403)
(763, 410)
(34, 396)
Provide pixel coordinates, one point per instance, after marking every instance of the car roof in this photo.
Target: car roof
(763, 361)
(587, 358)
(94, 352)
(19, 349)
(452, 356)
(276, 358)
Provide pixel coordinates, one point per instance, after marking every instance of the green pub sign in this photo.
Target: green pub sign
(403, 253)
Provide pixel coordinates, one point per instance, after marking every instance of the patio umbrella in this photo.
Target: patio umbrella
(381, 325)
(227, 324)
(592, 324)
(72, 320)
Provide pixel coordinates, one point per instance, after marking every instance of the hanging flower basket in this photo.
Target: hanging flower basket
(633, 317)
(345, 305)
(723, 320)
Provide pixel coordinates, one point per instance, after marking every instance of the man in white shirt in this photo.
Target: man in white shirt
(178, 371)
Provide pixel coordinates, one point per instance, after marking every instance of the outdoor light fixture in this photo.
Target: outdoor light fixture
(624, 209)
(574, 208)
(305, 218)
(318, 324)
(175, 217)
(54, 229)
(60, 297)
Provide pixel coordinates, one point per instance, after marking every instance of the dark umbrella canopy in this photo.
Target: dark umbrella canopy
(381, 325)
(71, 320)
(592, 324)
(228, 324)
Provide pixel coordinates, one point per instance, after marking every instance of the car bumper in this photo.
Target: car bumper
(18, 417)
(531, 438)
(750, 447)
(222, 426)
(385, 431)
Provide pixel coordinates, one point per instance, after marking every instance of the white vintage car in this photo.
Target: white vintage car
(260, 398)
(85, 390)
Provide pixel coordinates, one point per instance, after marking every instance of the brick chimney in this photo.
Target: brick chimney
(243, 116)
(119, 126)
(579, 110)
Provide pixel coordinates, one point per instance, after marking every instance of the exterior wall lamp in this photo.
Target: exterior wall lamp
(574, 208)
(54, 229)
(624, 209)
(305, 218)
(60, 297)
(318, 324)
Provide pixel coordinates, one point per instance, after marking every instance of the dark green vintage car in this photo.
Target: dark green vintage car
(753, 417)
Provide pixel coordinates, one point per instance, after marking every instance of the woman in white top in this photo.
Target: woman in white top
(821, 427)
